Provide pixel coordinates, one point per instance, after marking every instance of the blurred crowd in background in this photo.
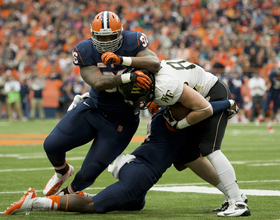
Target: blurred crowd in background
(233, 39)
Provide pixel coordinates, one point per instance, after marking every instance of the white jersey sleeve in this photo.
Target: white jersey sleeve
(170, 80)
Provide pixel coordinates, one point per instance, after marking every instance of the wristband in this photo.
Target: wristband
(126, 61)
(125, 78)
(183, 123)
(200, 110)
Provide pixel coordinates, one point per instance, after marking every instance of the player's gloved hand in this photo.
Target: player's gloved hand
(167, 114)
(111, 58)
(140, 79)
(233, 110)
(77, 100)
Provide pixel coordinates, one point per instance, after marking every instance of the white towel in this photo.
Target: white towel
(118, 164)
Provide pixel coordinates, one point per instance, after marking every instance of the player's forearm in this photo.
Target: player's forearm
(195, 117)
(104, 82)
(93, 77)
(149, 63)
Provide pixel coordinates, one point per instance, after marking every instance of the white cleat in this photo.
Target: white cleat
(225, 204)
(56, 182)
(235, 210)
(24, 204)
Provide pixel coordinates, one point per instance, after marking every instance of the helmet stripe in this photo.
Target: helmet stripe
(105, 20)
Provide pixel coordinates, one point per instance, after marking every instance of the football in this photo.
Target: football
(179, 111)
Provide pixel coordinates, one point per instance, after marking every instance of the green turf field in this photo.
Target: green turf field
(254, 153)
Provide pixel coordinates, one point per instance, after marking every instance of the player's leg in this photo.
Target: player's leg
(276, 106)
(213, 130)
(135, 179)
(190, 157)
(110, 142)
(72, 131)
(70, 203)
(266, 105)
(204, 169)
(254, 108)
(66, 203)
(210, 147)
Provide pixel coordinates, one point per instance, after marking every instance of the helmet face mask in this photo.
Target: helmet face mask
(136, 96)
(106, 29)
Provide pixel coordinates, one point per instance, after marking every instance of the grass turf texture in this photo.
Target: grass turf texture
(254, 153)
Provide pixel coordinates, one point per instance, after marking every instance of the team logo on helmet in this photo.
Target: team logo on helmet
(136, 96)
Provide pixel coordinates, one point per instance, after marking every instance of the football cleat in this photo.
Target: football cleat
(244, 197)
(24, 204)
(234, 210)
(84, 194)
(65, 191)
(233, 110)
(56, 182)
(225, 204)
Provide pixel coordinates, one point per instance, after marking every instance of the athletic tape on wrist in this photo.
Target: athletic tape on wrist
(125, 78)
(183, 123)
(200, 110)
(126, 61)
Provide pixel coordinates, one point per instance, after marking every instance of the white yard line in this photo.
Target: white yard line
(192, 189)
(212, 190)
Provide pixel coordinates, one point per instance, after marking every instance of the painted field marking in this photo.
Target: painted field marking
(192, 189)
(212, 190)
(28, 139)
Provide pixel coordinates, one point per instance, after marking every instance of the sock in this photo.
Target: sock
(221, 187)
(70, 189)
(226, 174)
(47, 203)
(62, 170)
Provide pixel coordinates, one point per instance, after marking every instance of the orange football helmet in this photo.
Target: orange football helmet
(106, 29)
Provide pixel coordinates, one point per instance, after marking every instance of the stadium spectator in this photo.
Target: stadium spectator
(272, 95)
(37, 86)
(257, 89)
(2, 95)
(66, 95)
(235, 82)
(78, 85)
(24, 96)
(12, 90)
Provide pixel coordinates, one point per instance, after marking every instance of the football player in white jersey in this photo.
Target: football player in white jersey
(177, 81)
